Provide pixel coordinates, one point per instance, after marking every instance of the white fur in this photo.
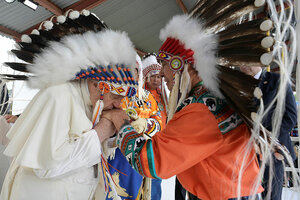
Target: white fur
(259, 3)
(17, 46)
(35, 32)
(61, 19)
(26, 38)
(266, 25)
(62, 60)
(266, 58)
(48, 25)
(191, 33)
(150, 60)
(267, 42)
(74, 14)
(85, 12)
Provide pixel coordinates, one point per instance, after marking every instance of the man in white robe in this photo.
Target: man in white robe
(56, 159)
(56, 142)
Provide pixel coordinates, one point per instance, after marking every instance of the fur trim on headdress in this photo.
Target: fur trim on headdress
(35, 32)
(62, 60)
(48, 25)
(26, 38)
(74, 14)
(150, 66)
(192, 34)
(61, 19)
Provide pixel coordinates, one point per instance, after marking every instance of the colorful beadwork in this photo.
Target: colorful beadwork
(176, 63)
(129, 142)
(110, 81)
(227, 119)
(175, 53)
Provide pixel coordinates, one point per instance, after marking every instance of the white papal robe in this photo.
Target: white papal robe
(54, 147)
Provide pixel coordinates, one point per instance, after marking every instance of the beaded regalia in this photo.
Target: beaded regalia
(218, 36)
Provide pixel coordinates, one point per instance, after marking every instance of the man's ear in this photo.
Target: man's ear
(191, 68)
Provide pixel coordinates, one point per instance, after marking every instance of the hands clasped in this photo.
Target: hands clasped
(117, 116)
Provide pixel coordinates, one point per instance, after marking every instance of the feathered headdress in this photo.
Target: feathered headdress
(77, 46)
(150, 65)
(208, 39)
(213, 39)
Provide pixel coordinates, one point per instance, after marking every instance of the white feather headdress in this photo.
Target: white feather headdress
(77, 46)
(62, 60)
(192, 35)
(150, 65)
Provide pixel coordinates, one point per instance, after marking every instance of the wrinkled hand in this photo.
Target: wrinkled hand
(117, 116)
(139, 125)
(104, 129)
(10, 118)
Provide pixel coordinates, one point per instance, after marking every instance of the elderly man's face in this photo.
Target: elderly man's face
(167, 73)
(155, 81)
(110, 100)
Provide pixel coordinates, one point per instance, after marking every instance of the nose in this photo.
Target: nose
(117, 103)
(156, 77)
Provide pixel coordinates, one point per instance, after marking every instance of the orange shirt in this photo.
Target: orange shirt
(206, 162)
(191, 146)
(158, 97)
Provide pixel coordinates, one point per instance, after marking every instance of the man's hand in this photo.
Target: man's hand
(117, 116)
(139, 125)
(104, 129)
(10, 118)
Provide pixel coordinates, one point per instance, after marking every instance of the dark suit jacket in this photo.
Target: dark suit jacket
(269, 84)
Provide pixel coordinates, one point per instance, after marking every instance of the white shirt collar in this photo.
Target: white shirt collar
(256, 76)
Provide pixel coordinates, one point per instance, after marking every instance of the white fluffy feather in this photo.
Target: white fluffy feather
(26, 38)
(48, 25)
(61, 19)
(74, 14)
(85, 12)
(35, 32)
(192, 34)
(62, 60)
(150, 60)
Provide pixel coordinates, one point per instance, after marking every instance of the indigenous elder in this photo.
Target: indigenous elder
(153, 83)
(205, 140)
(142, 108)
(56, 142)
(145, 117)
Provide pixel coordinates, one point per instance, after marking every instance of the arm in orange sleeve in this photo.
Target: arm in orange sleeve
(191, 136)
(154, 122)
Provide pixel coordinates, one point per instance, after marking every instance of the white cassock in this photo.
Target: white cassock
(4, 161)
(54, 147)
